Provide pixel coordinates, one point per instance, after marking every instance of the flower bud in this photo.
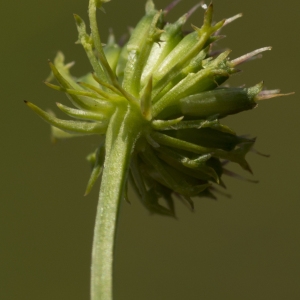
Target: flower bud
(219, 103)
(158, 100)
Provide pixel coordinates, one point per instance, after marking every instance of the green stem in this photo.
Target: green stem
(120, 140)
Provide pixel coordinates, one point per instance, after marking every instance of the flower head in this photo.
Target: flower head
(164, 89)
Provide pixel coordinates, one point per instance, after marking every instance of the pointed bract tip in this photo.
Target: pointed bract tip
(51, 65)
(149, 6)
(99, 3)
(210, 9)
(249, 56)
(170, 7)
(29, 104)
(220, 192)
(255, 90)
(77, 18)
(237, 176)
(195, 27)
(248, 168)
(208, 14)
(233, 18)
(264, 95)
(260, 153)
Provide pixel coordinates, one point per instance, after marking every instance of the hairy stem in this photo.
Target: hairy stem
(120, 140)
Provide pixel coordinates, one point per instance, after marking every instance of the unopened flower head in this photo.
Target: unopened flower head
(164, 89)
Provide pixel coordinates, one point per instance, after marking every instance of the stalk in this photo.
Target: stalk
(120, 141)
(178, 95)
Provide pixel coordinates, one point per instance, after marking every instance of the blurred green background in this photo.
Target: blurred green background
(245, 247)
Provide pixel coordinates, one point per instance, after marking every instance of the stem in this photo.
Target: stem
(120, 140)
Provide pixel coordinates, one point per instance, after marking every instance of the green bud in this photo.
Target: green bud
(208, 137)
(220, 102)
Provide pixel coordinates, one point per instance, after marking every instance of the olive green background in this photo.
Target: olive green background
(245, 247)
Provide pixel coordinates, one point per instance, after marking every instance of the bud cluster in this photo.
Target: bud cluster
(165, 86)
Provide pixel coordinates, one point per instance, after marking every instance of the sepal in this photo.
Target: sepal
(85, 115)
(99, 3)
(59, 63)
(98, 160)
(219, 102)
(70, 125)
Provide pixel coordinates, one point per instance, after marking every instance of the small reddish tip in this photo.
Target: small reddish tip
(25, 101)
